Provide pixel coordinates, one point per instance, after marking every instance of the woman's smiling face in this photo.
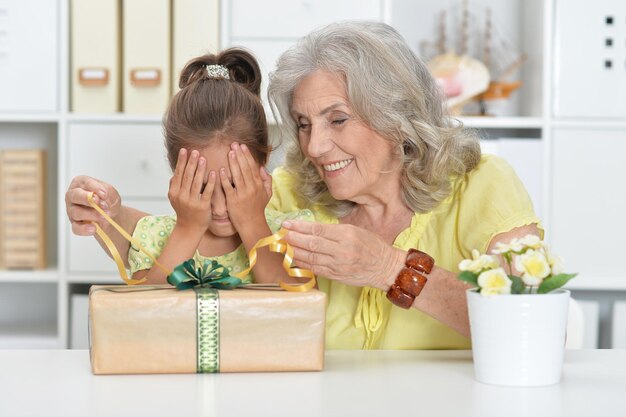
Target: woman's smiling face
(353, 160)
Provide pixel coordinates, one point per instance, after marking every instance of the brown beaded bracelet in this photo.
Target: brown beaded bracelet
(410, 281)
(420, 261)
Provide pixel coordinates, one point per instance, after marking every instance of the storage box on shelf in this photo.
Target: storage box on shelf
(37, 137)
(96, 60)
(127, 55)
(195, 26)
(22, 209)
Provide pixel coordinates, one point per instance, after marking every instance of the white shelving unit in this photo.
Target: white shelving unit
(43, 298)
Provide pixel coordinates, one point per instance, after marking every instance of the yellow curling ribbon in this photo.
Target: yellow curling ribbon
(113, 250)
(275, 243)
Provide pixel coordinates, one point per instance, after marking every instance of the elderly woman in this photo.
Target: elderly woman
(399, 190)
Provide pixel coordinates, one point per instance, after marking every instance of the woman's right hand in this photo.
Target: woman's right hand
(191, 203)
(80, 213)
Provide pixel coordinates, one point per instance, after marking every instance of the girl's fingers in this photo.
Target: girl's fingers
(209, 188)
(226, 185)
(81, 186)
(79, 197)
(247, 163)
(198, 180)
(83, 229)
(235, 169)
(190, 171)
(181, 163)
(81, 214)
(254, 165)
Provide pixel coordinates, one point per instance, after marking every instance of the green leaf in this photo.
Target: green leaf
(554, 282)
(469, 277)
(517, 287)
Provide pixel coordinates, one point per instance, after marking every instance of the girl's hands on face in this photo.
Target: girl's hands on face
(250, 190)
(191, 203)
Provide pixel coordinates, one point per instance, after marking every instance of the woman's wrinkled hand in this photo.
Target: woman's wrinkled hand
(190, 201)
(80, 213)
(250, 190)
(345, 253)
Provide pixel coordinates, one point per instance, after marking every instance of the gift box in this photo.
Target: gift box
(159, 329)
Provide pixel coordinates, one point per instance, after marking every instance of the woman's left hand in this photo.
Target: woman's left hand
(250, 190)
(345, 253)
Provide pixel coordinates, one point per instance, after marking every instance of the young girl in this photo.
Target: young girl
(217, 143)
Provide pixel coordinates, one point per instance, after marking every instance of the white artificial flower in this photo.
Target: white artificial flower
(501, 248)
(515, 245)
(532, 242)
(478, 263)
(486, 262)
(466, 265)
(556, 264)
(534, 267)
(494, 281)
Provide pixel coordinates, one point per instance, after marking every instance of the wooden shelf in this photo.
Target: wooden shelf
(29, 118)
(94, 279)
(590, 123)
(50, 275)
(115, 118)
(503, 122)
(597, 284)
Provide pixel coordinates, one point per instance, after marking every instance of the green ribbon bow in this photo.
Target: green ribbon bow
(210, 274)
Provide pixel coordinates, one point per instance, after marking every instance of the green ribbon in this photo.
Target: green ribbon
(208, 330)
(209, 274)
(205, 279)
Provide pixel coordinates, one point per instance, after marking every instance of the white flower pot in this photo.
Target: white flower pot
(518, 339)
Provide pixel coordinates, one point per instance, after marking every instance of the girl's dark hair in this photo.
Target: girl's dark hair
(209, 107)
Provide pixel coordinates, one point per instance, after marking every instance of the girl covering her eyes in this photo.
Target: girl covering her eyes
(216, 140)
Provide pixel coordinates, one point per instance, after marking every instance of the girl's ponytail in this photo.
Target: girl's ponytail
(240, 65)
(195, 70)
(243, 68)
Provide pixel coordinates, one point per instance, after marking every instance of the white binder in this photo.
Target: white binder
(96, 56)
(196, 32)
(146, 55)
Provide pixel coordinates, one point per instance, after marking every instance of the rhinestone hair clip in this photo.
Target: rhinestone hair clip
(217, 71)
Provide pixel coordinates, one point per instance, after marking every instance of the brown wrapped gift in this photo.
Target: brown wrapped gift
(155, 329)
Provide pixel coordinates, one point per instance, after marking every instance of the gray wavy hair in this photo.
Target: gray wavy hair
(392, 91)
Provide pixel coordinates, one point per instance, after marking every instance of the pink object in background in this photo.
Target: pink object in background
(451, 85)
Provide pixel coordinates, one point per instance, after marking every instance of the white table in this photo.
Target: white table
(354, 383)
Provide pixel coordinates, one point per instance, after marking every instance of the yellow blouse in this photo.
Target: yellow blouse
(489, 200)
